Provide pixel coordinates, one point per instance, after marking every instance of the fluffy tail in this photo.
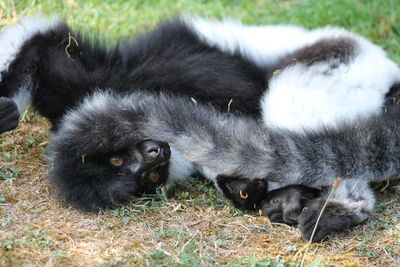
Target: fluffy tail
(236, 146)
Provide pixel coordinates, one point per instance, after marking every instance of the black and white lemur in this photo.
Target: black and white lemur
(359, 151)
(49, 65)
(315, 78)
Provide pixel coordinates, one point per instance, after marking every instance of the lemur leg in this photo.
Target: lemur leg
(352, 203)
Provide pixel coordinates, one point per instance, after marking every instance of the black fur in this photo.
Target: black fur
(335, 217)
(89, 181)
(62, 66)
(173, 59)
(392, 97)
(284, 205)
(244, 193)
(9, 114)
(335, 50)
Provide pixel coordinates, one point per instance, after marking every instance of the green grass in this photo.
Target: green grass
(378, 20)
(188, 224)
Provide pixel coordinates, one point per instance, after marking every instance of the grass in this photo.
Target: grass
(188, 224)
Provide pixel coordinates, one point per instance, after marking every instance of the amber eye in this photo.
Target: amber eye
(117, 161)
(243, 195)
(154, 176)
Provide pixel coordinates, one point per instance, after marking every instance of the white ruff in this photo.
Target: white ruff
(13, 37)
(304, 97)
(301, 96)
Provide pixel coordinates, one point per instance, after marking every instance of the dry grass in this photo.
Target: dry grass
(187, 226)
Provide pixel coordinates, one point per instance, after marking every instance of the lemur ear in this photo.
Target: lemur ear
(9, 115)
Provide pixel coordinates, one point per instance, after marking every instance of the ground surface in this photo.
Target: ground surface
(189, 225)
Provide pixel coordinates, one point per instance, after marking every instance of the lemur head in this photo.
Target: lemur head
(244, 193)
(94, 181)
(100, 157)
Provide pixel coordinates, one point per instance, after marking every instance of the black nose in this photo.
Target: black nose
(154, 151)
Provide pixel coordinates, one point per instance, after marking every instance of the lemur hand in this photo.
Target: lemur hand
(285, 204)
(9, 115)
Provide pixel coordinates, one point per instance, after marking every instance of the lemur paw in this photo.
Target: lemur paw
(9, 115)
(334, 218)
(244, 193)
(284, 205)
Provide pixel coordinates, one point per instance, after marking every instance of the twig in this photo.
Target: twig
(70, 37)
(229, 104)
(194, 100)
(333, 189)
(196, 223)
(385, 186)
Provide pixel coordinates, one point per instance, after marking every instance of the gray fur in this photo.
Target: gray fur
(360, 152)
(229, 145)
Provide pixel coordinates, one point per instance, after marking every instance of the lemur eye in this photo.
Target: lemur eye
(243, 195)
(154, 176)
(117, 161)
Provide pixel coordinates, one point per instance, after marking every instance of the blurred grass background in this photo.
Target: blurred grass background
(191, 226)
(378, 20)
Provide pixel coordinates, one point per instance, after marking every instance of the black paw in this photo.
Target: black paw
(9, 115)
(334, 218)
(284, 205)
(244, 193)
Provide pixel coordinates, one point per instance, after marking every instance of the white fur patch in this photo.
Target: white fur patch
(356, 196)
(99, 101)
(302, 97)
(262, 45)
(179, 168)
(210, 175)
(355, 191)
(13, 37)
(23, 97)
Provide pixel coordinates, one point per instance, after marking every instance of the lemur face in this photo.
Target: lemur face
(244, 193)
(146, 163)
(96, 181)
